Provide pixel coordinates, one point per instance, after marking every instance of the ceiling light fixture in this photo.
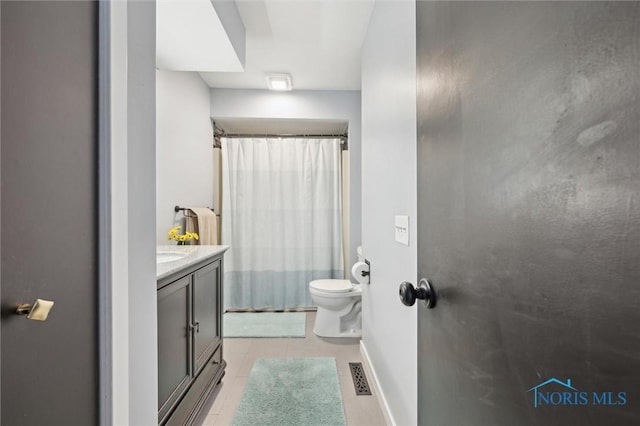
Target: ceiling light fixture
(279, 82)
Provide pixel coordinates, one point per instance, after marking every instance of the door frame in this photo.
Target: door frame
(118, 368)
(128, 380)
(105, 317)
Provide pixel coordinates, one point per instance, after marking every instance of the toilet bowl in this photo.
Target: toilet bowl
(339, 308)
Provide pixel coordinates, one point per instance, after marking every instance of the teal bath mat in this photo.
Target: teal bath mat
(296, 392)
(264, 324)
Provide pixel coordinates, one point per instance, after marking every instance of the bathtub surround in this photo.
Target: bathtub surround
(282, 217)
(264, 324)
(302, 391)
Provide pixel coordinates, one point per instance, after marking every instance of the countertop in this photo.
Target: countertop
(196, 254)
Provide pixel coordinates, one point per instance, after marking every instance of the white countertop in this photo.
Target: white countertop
(195, 254)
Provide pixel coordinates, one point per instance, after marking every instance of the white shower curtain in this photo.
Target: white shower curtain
(282, 218)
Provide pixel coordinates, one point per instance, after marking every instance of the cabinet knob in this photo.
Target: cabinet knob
(39, 311)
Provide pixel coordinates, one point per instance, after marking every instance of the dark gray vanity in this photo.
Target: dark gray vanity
(190, 363)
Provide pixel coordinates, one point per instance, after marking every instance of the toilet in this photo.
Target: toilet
(339, 308)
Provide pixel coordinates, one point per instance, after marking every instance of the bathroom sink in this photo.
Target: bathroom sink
(170, 256)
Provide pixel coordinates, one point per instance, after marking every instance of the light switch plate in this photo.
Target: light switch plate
(402, 230)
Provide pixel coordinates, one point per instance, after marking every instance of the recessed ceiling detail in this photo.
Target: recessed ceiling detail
(317, 42)
(191, 36)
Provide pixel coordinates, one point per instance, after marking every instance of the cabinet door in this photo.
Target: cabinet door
(174, 343)
(206, 313)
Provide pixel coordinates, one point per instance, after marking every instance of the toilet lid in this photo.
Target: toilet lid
(332, 286)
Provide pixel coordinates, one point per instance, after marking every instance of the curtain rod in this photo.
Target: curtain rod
(216, 137)
(283, 135)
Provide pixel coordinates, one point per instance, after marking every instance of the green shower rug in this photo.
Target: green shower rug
(264, 324)
(296, 392)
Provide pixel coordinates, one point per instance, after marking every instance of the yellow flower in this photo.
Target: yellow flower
(187, 236)
(173, 233)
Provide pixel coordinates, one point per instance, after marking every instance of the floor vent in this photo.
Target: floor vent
(359, 379)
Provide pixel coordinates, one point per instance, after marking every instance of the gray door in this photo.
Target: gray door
(529, 212)
(49, 174)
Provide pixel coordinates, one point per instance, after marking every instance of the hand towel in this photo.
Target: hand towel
(205, 224)
(191, 224)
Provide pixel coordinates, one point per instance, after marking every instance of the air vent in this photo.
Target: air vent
(359, 379)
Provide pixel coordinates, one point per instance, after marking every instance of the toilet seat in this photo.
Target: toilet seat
(332, 286)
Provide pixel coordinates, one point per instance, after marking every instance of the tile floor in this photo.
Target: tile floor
(241, 353)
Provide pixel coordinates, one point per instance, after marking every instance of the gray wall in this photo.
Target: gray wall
(529, 191)
(389, 189)
(49, 228)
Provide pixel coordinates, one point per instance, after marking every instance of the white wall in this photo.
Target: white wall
(119, 215)
(133, 265)
(300, 104)
(143, 317)
(184, 148)
(388, 189)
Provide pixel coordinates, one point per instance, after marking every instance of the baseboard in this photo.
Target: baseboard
(375, 384)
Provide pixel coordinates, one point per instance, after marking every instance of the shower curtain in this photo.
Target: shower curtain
(281, 217)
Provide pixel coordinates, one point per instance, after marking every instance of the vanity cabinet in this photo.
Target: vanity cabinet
(174, 344)
(190, 363)
(206, 314)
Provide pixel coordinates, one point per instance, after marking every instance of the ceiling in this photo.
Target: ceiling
(317, 42)
(191, 36)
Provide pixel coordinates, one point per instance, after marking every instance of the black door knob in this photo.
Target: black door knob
(425, 291)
